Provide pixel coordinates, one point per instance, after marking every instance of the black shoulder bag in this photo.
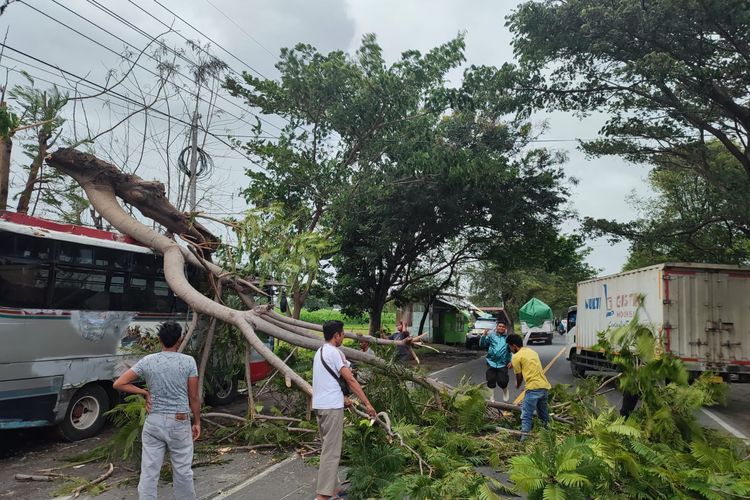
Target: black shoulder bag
(342, 383)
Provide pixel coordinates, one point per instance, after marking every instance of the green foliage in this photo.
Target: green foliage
(371, 156)
(9, 122)
(691, 218)
(356, 322)
(660, 451)
(273, 246)
(556, 469)
(670, 72)
(452, 441)
(671, 76)
(551, 276)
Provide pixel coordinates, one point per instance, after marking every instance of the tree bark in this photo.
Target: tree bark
(148, 196)
(6, 147)
(36, 165)
(376, 312)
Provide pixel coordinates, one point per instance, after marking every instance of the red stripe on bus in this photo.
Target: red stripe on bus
(28, 220)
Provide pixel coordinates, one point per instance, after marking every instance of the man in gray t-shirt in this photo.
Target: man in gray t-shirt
(171, 395)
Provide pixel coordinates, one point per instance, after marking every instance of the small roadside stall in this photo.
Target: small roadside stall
(448, 319)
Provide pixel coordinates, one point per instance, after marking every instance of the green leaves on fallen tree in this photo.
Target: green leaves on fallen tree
(660, 451)
(452, 440)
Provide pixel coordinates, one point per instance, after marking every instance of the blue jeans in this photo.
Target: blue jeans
(535, 399)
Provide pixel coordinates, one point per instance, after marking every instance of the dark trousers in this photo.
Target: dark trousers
(497, 377)
(628, 403)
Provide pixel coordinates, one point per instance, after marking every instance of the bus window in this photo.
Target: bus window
(163, 297)
(117, 292)
(114, 259)
(73, 253)
(24, 285)
(145, 263)
(81, 289)
(27, 248)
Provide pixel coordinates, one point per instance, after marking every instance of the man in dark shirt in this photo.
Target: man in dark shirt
(402, 351)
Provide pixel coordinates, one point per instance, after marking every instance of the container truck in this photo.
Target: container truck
(701, 311)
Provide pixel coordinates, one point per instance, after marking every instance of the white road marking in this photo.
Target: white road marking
(729, 428)
(239, 487)
(448, 368)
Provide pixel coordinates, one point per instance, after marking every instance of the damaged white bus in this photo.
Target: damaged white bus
(75, 303)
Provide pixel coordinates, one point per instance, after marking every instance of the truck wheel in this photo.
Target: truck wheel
(223, 393)
(84, 417)
(549, 340)
(578, 371)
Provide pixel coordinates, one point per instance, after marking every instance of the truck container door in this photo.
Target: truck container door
(729, 325)
(689, 305)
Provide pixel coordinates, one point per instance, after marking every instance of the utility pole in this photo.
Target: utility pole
(193, 159)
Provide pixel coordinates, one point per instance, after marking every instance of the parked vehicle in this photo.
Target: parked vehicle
(699, 310)
(537, 322)
(77, 306)
(476, 331)
(542, 333)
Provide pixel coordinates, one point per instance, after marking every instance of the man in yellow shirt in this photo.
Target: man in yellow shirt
(526, 365)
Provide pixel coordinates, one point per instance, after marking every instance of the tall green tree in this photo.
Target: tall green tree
(43, 108)
(340, 113)
(371, 153)
(451, 189)
(550, 276)
(689, 218)
(671, 73)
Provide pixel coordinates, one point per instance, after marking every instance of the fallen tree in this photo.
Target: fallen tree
(104, 183)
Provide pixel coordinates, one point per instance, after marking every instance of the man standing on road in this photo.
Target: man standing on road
(172, 381)
(328, 401)
(498, 357)
(528, 367)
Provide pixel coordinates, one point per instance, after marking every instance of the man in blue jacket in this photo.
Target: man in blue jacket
(498, 357)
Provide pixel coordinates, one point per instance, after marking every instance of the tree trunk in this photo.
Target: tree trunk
(298, 299)
(424, 316)
(6, 146)
(376, 312)
(36, 165)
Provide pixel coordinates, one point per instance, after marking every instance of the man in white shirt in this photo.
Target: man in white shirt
(328, 401)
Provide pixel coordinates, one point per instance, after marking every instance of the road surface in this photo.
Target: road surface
(733, 418)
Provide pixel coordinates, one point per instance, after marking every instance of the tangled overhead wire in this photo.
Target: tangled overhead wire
(203, 168)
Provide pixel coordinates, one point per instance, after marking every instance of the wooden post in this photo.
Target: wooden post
(249, 381)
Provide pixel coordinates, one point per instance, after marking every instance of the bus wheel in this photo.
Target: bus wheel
(223, 392)
(85, 414)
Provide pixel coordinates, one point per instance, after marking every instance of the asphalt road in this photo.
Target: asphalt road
(733, 418)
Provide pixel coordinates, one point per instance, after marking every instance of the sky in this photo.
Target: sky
(84, 38)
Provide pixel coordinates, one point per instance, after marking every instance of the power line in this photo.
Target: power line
(251, 37)
(127, 98)
(164, 116)
(135, 63)
(211, 40)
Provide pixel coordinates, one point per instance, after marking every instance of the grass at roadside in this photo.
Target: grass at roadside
(354, 324)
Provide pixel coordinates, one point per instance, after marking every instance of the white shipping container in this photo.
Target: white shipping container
(702, 311)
